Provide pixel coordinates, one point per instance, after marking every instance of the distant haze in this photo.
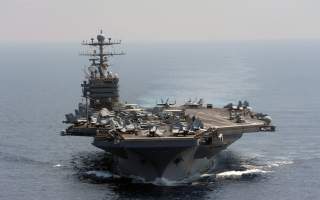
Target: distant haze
(159, 20)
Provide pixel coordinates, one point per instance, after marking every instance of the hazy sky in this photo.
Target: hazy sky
(131, 20)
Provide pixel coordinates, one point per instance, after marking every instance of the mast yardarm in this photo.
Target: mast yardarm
(99, 56)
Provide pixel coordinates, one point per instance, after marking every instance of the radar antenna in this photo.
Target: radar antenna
(100, 54)
(101, 88)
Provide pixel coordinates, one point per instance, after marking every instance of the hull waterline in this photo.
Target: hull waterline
(173, 161)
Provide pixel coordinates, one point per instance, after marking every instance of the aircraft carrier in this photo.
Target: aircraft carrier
(167, 141)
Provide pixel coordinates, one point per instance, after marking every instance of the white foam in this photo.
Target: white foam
(57, 165)
(187, 180)
(165, 182)
(100, 174)
(280, 163)
(239, 174)
(207, 175)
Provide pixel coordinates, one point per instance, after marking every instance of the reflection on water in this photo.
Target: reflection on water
(98, 168)
(95, 168)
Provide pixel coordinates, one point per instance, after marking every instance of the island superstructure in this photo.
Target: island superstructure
(167, 141)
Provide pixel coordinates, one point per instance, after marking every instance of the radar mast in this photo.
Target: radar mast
(100, 54)
(102, 88)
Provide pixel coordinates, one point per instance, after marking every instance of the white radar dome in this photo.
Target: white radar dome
(101, 37)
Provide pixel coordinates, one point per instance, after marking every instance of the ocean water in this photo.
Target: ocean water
(39, 83)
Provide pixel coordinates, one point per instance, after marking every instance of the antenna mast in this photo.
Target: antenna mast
(100, 59)
(101, 89)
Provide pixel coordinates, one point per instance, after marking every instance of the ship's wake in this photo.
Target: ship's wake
(98, 168)
(233, 166)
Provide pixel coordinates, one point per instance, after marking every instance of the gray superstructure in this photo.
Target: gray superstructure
(167, 141)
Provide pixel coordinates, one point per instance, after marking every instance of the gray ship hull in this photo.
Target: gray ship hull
(173, 159)
(168, 141)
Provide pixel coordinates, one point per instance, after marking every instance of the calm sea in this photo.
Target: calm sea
(39, 83)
